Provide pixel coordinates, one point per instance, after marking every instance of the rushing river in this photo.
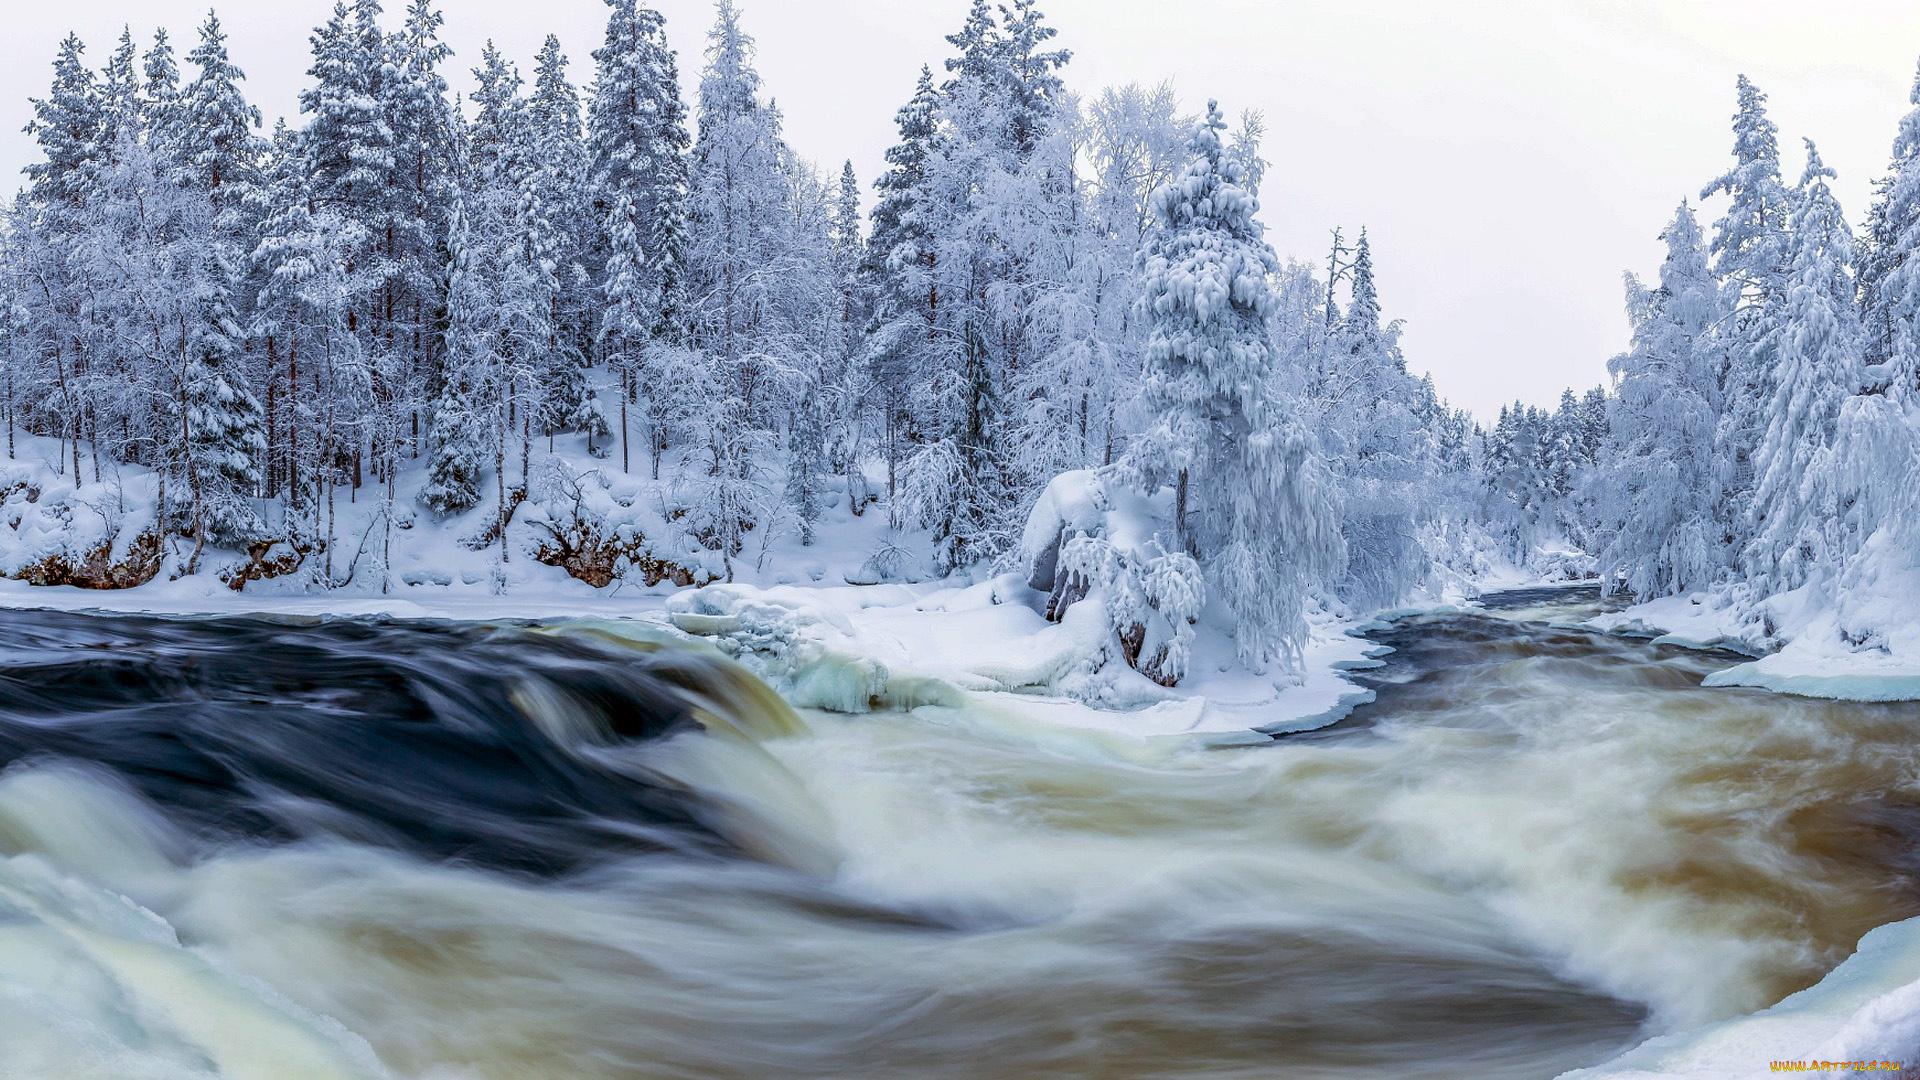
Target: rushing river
(274, 848)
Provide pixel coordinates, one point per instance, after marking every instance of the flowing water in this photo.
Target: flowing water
(254, 848)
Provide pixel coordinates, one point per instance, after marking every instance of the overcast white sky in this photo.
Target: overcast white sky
(1510, 158)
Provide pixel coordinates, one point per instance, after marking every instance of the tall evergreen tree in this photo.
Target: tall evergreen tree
(1749, 248)
(1819, 346)
(1662, 478)
(69, 124)
(1249, 497)
(218, 152)
(637, 141)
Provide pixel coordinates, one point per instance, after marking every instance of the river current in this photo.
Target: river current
(297, 848)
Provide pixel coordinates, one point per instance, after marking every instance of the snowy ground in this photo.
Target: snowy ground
(1857, 642)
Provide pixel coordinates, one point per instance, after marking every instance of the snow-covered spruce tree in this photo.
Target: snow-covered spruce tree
(987, 193)
(459, 441)
(415, 221)
(897, 274)
(1749, 247)
(1250, 494)
(1893, 302)
(844, 386)
(626, 330)
(559, 152)
(806, 464)
(637, 142)
(739, 196)
(221, 424)
(1380, 453)
(1797, 522)
(1659, 488)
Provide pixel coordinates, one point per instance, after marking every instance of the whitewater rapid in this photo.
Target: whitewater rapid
(245, 849)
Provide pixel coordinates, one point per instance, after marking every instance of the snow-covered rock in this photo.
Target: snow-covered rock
(1087, 543)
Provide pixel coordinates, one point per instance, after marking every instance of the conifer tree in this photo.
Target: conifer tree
(637, 142)
(1661, 481)
(1750, 249)
(69, 125)
(217, 151)
(1249, 499)
(161, 94)
(459, 439)
(221, 423)
(1893, 305)
(1796, 529)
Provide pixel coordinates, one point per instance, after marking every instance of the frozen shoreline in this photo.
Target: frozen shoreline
(1814, 657)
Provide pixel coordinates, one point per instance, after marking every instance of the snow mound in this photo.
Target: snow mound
(1088, 545)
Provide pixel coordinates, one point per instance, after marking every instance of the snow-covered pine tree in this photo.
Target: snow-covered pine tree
(419, 199)
(462, 438)
(1250, 498)
(1659, 488)
(739, 193)
(123, 114)
(69, 124)
(348, 142)
(637, 141)
(1797, 521)
(1749, 247)
(222, 429)
(160, 96)
(218, 152)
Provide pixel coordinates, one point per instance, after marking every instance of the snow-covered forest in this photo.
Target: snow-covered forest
(573, 320)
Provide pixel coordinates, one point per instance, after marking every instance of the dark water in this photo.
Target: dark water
(404, 736)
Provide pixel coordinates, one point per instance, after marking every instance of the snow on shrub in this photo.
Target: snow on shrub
(580, 526)
(102, 536)
(1083, 544)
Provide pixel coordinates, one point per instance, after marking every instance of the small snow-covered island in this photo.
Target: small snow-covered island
(518, 571)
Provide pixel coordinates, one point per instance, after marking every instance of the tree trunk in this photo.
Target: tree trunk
(1180, 513)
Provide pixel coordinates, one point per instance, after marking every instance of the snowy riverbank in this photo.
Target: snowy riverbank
(1857, 641)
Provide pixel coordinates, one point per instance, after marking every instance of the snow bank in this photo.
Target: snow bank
(1087, 545)
(1855, 639)
(100, 535)
(1867, 1009)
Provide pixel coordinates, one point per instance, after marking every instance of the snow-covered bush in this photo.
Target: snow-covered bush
(580, 527)
(102, 537)
(1083, 545)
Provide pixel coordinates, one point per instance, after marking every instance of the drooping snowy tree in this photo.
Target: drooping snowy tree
(1749, 249)
(1250, 493)
(1660, 485)
(1798, 523)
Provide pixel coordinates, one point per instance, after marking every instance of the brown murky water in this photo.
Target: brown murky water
(1537, 848)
